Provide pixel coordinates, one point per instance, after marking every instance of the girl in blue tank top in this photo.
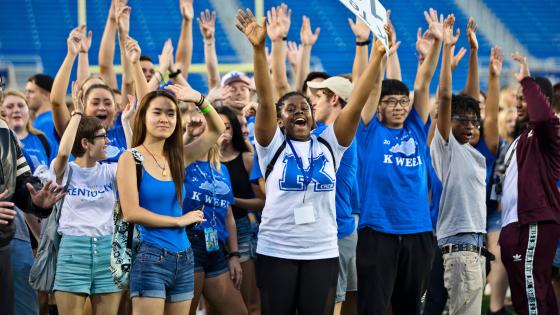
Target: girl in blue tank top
(163, 267)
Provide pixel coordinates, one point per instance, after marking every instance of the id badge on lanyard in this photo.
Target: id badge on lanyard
(211, 233)
(304, 213)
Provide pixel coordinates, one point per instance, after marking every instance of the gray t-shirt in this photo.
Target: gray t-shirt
(462, 171)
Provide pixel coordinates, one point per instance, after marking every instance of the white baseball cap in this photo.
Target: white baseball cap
(338, 85)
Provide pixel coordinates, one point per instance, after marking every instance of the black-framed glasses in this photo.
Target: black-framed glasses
(102, 136)
(392, 102)
(466, 120)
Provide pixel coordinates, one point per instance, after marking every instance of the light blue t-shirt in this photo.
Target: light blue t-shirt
(393, 177)
(211, 188)
(345, 179)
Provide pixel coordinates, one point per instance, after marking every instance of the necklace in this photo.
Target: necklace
(162, 168)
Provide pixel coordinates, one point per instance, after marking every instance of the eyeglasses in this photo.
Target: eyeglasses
(466, 120)
(392, 102)
(103, 136)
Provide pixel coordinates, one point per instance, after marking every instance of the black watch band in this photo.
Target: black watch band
(364, 43)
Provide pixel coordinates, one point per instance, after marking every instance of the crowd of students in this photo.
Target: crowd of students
(318, 194)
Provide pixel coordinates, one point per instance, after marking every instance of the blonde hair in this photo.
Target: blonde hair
(214, 157)
(502, 123)
(28, 125)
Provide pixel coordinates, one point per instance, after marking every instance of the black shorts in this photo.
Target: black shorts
(212, 263)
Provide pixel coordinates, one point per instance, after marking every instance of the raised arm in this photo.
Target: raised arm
(308, 39)
(130, 205)
(83, 57)
(133, 55)
(185, 44)
(165, 64)
(372, 102)
(61, 115)
(294, 57)
(472, 88)
(491, 136)
(393, 64)
(428, 66)
(265, 124)
(346, 124)
(279, 20)
(123, 18)
(207, 24)
(214, 123)
(127, 117)
(107, 46)
(361, 31)
(445, 81)
(69, 136)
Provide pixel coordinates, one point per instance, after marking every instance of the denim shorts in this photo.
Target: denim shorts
(161, 273)
(211, 263)
(246, 238)
(83, 265)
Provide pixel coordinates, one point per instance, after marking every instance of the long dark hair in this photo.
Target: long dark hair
(173, 146)
(237, 139)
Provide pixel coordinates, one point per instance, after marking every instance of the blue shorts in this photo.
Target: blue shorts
(211, 263)
(493, 221)
(246, 238)
(83, 265)
(556, 261)
(161, 273)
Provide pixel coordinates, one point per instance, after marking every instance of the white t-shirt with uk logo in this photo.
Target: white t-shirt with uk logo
(279, 234)
(88, 205)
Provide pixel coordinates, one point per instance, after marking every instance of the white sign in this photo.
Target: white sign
(373, 14)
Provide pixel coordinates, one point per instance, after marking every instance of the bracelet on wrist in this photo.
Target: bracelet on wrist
(76, 113)
(364, 43)
(285, 38)
(234, 254)
(174, 74)
(206, 109)
(160, 76)
(200, 101)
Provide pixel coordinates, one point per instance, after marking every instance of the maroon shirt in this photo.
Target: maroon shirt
(538, 160)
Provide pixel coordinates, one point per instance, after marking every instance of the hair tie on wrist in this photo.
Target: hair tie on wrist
(174, 74)
(234, 254)
(200, 101)
(285, 38)
(364, 43)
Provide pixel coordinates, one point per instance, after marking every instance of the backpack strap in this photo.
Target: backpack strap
(45, 144)
(138, 159)
(326, 143)
(58, 206)
(270, 165)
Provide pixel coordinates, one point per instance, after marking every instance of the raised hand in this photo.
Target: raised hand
(448, 38)
(116, 6)
(195, 126)
(123, 20)
(294, 53)
(360, 29)
(219, 94)
(74, 41)
(166, 57)
(435, 25)
(132, 50)
(496, 61)
(423, 43)
(77, 97)
(284, 17)
(85, 42)
(130, 108)
(247, 24)
(187, 10)
(457, 58)
(390, 29)
(471, 33)
(523, 67)
(184, 93)
(207, 24)
(306, 36)
(274, 30)
(250, 110)
(45, 198)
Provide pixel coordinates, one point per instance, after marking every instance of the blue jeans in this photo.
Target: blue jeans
(246, 238)
(211, 263)
(160, 273)
(25, 298)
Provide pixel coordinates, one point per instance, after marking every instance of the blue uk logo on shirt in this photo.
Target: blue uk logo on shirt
(293, 178)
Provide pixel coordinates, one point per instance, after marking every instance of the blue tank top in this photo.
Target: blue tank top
(160, 197)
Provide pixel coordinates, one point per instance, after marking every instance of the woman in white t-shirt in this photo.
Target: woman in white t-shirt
(86, 218)
(297, 264)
